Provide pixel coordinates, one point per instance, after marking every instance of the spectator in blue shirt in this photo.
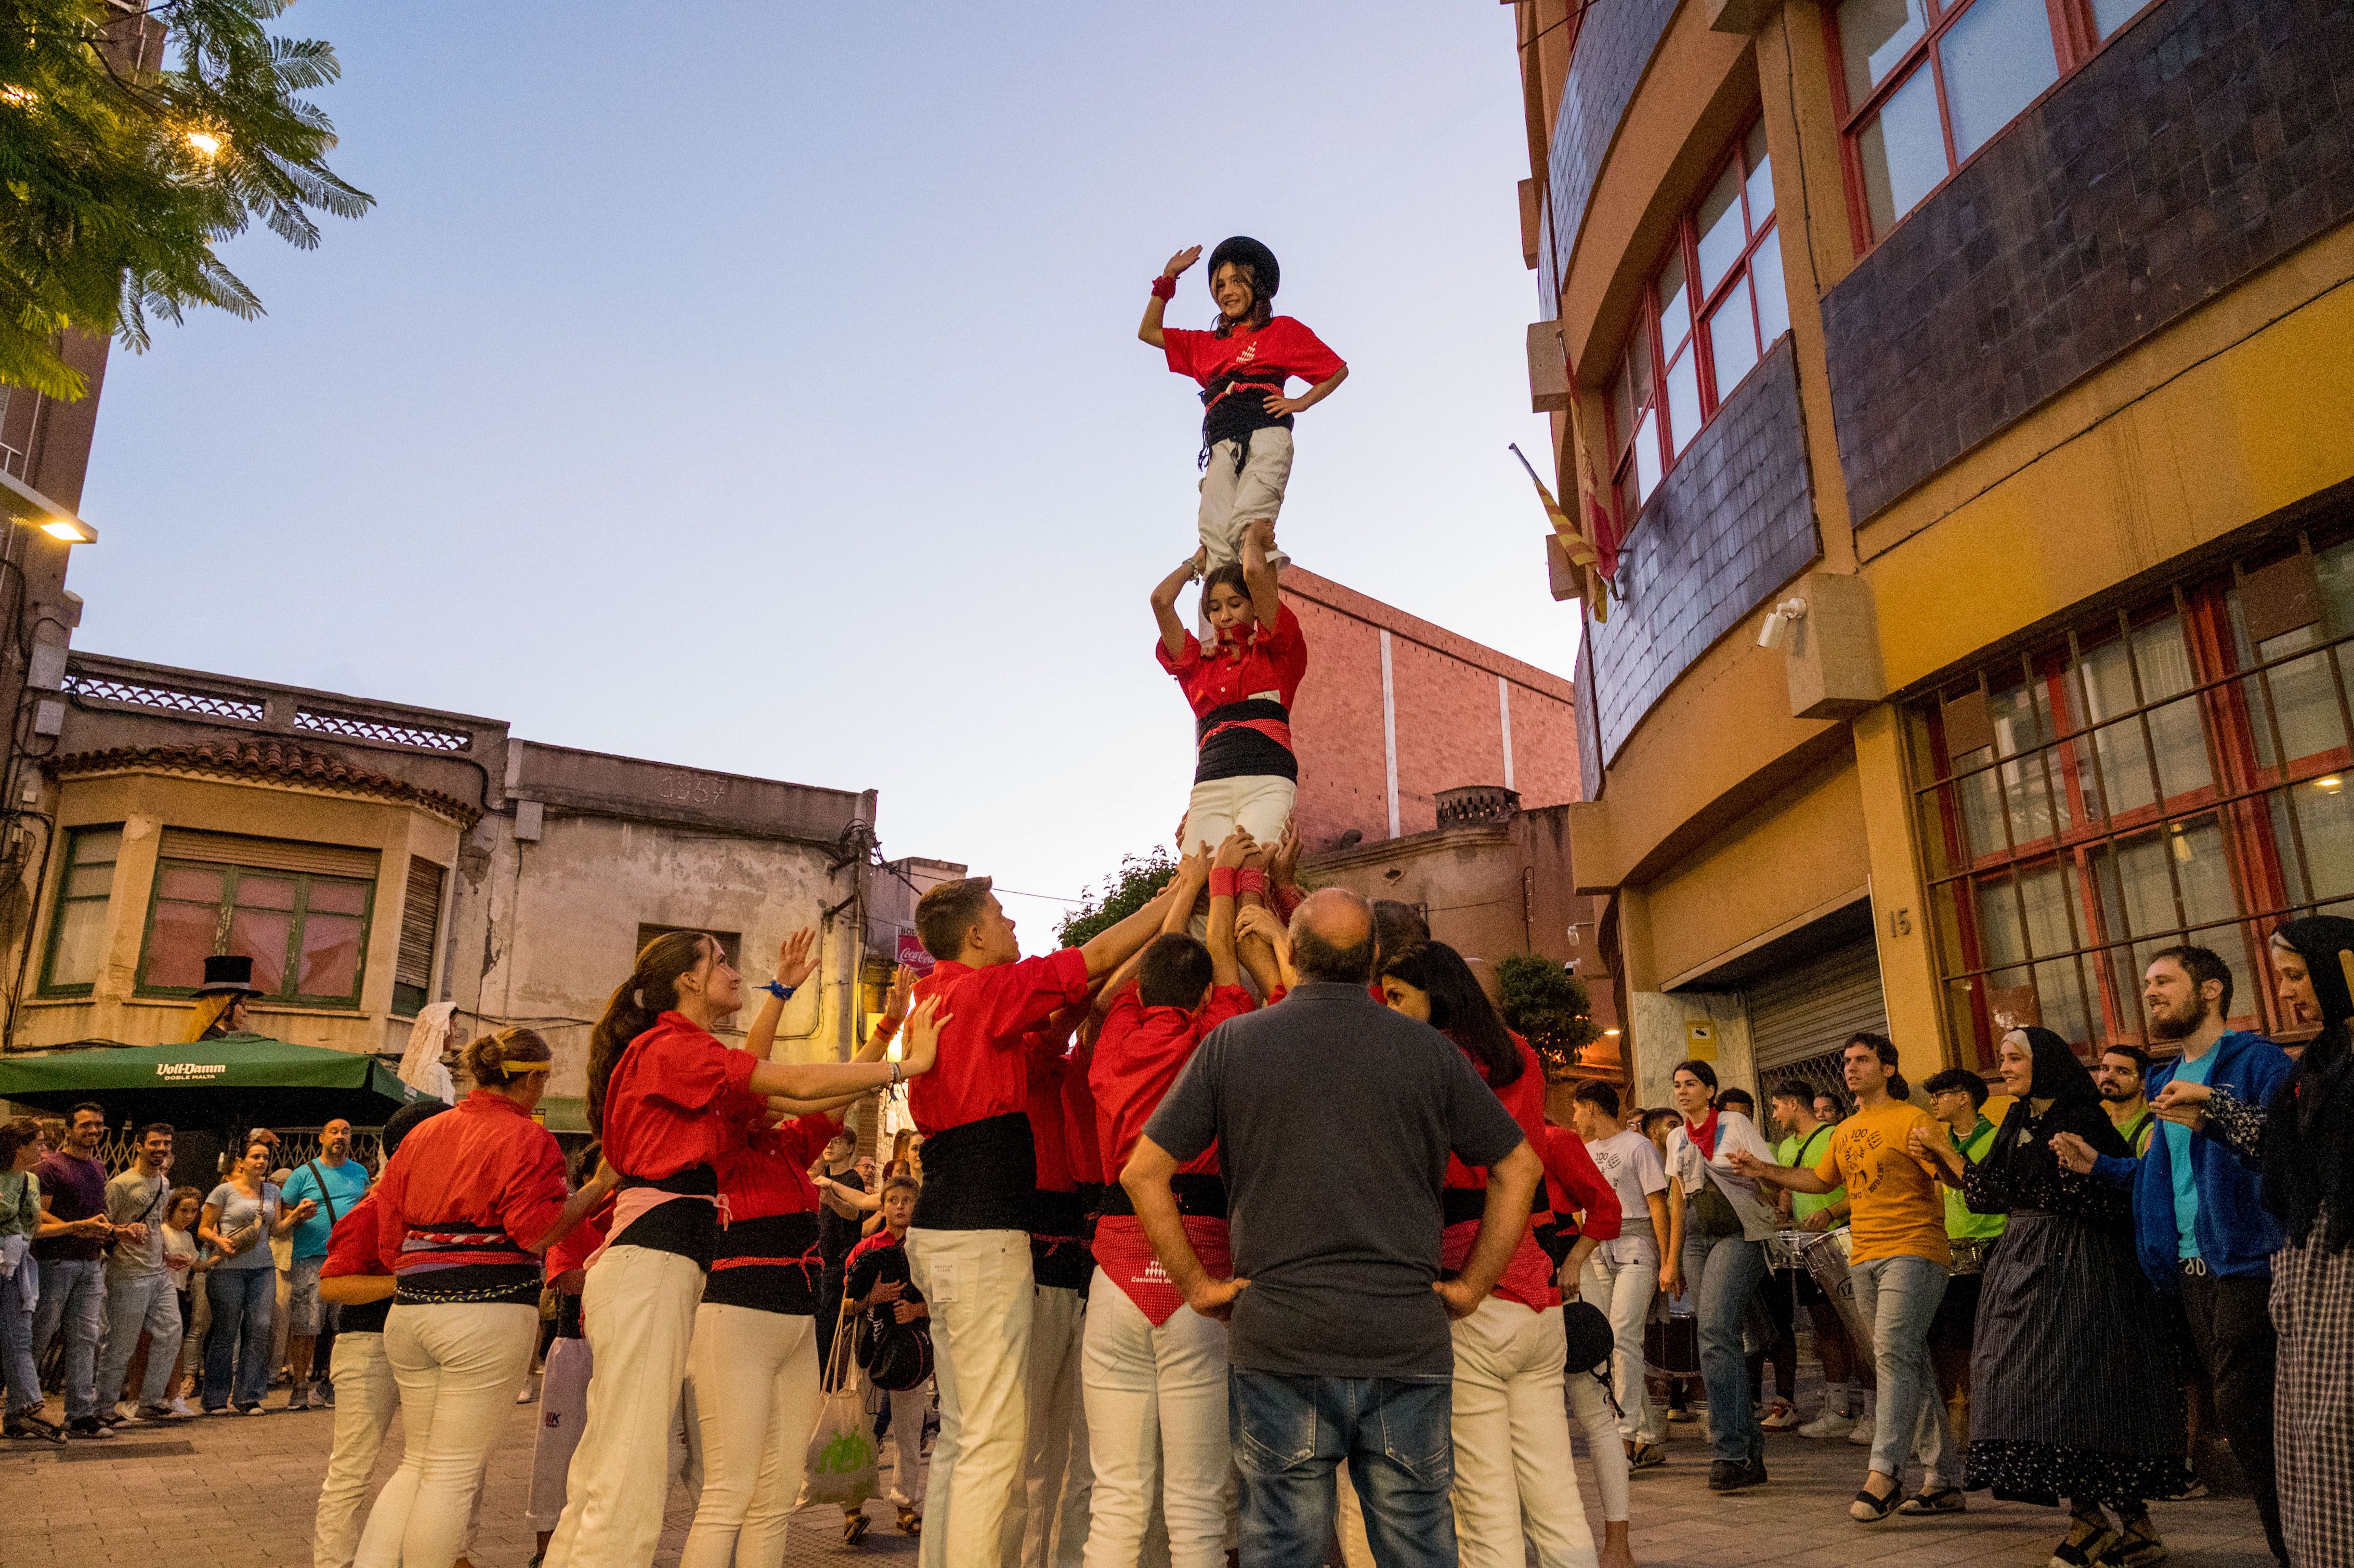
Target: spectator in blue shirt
(334, 1183)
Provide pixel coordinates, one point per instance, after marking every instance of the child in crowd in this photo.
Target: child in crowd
(1243, 364)
(895, 1351)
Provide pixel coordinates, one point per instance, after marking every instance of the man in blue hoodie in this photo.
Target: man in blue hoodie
(2200, 1226)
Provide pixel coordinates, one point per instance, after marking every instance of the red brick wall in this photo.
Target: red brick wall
(1449, 723)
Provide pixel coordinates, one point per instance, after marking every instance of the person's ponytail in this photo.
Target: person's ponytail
(651, 990)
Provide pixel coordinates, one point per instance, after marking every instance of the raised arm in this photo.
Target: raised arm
(828, 1080)
(1230, 854)
(1150, 331)
(1164, 600)
(1257, 920)
(1258, 575)
(1106, 950)
(578, 1207)
(1796, 1178)
(796, 958)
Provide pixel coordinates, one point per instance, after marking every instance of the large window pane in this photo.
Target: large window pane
(1721, 231)
(180, 942)
(2324, 826)
(2162, 659)
(1761, 178)
(1998, 57)
(2108, 15)
(1733, 339)
(2052, 992)
(82, 928)
(1648, 466)
(262, 936)
(1902, 151)
(1873, 36)
(1684, 400)
(2022, 724)
(1773, 294)
(2139, 880)
(1675, 310)
(331, 954)
(83, 895)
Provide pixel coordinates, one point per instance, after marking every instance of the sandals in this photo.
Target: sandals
(1944, 1499)
(1645, 1456)
(1869, 1509)
(910, 1522)
(854, 1527)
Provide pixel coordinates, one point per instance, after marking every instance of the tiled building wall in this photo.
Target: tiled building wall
(1615, 42)
(2208, 139)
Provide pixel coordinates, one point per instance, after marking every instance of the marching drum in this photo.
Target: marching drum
(1787, 1249)
(1971, 1254)
(1826, 1260)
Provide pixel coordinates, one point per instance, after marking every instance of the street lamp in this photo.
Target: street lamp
(72, 530)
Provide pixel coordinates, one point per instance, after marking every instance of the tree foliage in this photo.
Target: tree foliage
(1549, 1006)
(1135, 885)
(121, 167)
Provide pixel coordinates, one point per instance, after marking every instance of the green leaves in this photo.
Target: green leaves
(131, 144)
(1135, 885)
(1549, 1006)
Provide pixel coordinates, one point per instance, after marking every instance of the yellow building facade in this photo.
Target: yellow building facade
(1961, 394)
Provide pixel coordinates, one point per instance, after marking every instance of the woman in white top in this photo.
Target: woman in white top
(1717, 1225)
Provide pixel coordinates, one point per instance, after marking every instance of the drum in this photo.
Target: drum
(1970, 1253)
(1826, 1260)
(1787, 1249)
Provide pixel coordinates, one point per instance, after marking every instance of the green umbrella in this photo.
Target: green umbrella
(238, 1080)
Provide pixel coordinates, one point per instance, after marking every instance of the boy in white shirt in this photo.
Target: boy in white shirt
(1622, 1276)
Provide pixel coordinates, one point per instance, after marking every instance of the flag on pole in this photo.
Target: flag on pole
(1585, 550)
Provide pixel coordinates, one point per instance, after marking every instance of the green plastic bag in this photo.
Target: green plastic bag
(842, 1452)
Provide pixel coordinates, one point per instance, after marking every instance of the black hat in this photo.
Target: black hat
(1246, 252)
(229, 973)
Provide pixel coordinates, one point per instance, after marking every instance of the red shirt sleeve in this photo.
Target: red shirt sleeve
(391, 1195)
(803, 1139)
(1226, 1001)
(571, 1249)
(1582, 1183)
(698, 1074)
(534, 1193)
(1185, 348)
(1285, 638)
(1305, 356)
(1012, 1000)
(1182, 662)
(352, 1246)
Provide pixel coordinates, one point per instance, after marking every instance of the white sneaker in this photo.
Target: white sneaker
(1829, 1424)
(126, 1410)
(184, 1410)
(1864, 1431)
(526, 1393)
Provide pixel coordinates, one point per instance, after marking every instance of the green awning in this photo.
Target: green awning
(236, 1080)
(564, 1113)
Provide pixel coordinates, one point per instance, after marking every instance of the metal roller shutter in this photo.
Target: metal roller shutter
(1800, 1018)
(269, 854)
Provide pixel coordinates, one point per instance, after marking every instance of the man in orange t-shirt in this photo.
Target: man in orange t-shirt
(1897, 1261)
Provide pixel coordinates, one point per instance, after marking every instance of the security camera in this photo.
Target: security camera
(1778, 620)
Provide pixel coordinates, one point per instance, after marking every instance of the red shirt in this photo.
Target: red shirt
(1080, 1145)
(571, 1250)
(1272, 665)
(766, 1171)
(485, 1164)
(1139, 1050)
(1049, 1131)
(352, 1246)
(1281, 349)
(983, 1069)
(671, 1097)
(1578, 1184)
(1528, 1277)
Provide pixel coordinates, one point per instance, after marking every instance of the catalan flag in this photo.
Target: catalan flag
(1585, 549)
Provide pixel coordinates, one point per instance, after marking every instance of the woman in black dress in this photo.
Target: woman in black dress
(2070, 1400)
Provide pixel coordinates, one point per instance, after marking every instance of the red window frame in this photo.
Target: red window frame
(1696, 338)
(2238, 798)
(2074, 41)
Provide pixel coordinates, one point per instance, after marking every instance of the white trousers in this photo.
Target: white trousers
(1231, 502)
(1513, 1473)
(1589, 1405)
(366, 1400)
(1156, 1410)
(1047, 1526)
(979, 1286)
(638, 1313)
(457, 1366)
(1621, 1277)
(1259, 802)
(563, 1411)
(909, 1409)
(755, 1378)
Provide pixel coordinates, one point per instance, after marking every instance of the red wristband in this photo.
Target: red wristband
(1250, 879)
(1165, 288)
(1222, 881)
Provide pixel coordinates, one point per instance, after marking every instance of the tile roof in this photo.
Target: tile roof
(267, 760)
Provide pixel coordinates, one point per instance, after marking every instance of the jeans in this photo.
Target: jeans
(1899, 1296)
(1621, 1278)
(137, 1303)
(1720, 1274)
(2232, 1329)
(1398, 1439)
(17, 1372)
(239, 1341)
(73, 1295)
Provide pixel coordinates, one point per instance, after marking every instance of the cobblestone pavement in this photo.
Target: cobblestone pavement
(240, 1491)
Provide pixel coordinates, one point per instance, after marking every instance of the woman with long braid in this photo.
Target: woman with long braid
(670, 1101)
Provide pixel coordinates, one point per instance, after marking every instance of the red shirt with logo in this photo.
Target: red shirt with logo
(1281, 349)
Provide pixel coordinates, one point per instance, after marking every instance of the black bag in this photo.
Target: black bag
(1589, 1336)
(1712, 1212)
(898, 1355)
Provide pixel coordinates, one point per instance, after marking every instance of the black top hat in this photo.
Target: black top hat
(229, 973)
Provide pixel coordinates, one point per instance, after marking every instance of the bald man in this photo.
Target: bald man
(1339, 1316)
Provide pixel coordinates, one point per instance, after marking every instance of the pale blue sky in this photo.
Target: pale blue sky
(754, 386)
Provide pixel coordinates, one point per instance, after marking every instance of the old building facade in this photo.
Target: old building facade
(1957, 389)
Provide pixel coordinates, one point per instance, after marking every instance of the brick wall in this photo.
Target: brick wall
(1614, 43)
(2212, 137)
(1449, 720)
(1733, 521)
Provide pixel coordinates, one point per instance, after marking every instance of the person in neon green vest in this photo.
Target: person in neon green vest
(1957, 1097)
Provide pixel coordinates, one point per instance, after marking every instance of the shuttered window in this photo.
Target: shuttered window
(270, 854)
(1800, 1019)
(420, 921)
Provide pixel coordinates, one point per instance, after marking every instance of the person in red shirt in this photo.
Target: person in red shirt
(1155, 1370)
(1241, 689)
(463, 1212)
(1243, 364)
(968, 1247)
(1048, 1519)
(670, 1101)
(1513, 1475)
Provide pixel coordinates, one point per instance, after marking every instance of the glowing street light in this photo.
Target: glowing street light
(72, 530)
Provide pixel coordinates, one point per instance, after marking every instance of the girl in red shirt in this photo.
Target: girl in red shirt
(463, 1212)
(1243, 364)
(1513, 1475)
(671, 1102)
(1241, 688)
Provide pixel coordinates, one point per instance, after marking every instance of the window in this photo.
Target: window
(731, 943)
(306, 934)
(78, 927)
(420, 917)
(1717, 304)
(1924, 84)
(2177, 773)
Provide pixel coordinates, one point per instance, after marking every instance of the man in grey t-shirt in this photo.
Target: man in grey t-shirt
(139, 1292)
(1340, 1344)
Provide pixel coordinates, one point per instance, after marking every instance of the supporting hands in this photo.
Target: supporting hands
(922, 1047)
(1283, 863)
(1238, 848)
(797, 957)
(903, 988)
(1258, 920)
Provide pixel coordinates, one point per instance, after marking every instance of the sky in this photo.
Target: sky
(755, 386)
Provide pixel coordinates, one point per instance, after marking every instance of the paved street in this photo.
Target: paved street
(239, 1492)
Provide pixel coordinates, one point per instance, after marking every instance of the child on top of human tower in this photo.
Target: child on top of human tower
(1243, 364)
